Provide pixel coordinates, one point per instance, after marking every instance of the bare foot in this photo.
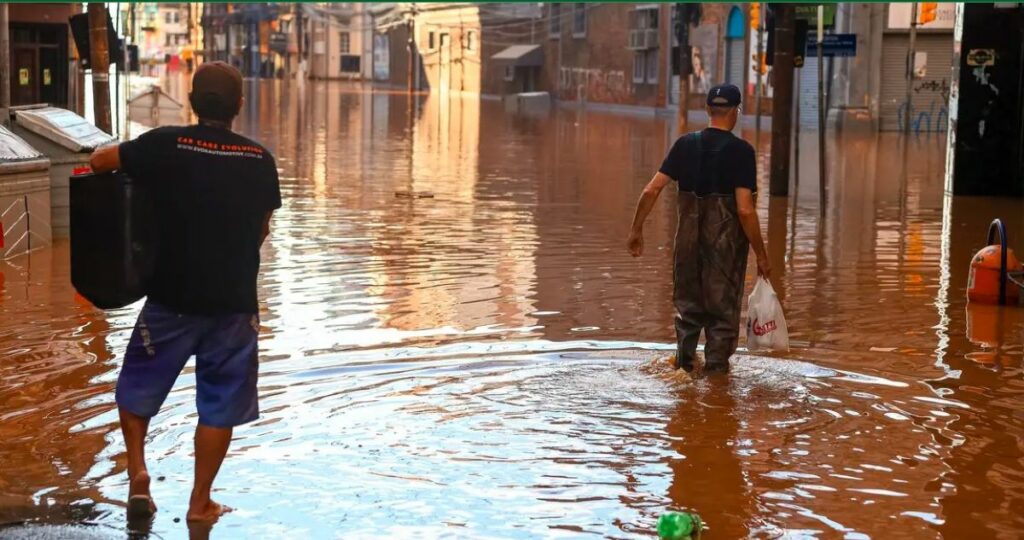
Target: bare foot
(208, 512)
(140, 501)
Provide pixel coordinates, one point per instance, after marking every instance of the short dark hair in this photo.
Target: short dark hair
(216, 91)
(717, 111)
(213, 107)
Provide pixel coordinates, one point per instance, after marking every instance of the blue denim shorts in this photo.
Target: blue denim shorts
(225, 348)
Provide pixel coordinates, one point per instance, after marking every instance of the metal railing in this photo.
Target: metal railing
(10, 217)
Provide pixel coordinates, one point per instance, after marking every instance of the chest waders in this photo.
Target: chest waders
(708, 272)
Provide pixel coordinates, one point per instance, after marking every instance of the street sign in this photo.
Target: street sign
(279, 42)
(809, 13)
(835, 45)
(981, 57)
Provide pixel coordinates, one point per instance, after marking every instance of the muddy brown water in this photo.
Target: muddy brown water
(456, 344)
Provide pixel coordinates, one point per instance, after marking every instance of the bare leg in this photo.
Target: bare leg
(211, 447)
(134, 428)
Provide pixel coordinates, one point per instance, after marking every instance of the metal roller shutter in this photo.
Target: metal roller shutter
(735, 62)
(929, 112)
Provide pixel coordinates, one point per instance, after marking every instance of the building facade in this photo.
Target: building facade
(240, 34)
(167, 35)
(42, 54)
(452, 47)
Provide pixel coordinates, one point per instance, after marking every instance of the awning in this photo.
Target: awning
(521, 55)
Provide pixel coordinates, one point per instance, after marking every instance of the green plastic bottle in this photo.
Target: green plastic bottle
(678, 525)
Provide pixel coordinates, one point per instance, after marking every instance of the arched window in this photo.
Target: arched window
(735, 31)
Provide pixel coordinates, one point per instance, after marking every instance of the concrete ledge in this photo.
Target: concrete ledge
(612, 108)
(855, 119)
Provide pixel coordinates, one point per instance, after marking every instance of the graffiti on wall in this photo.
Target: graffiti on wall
(934, 116)
(593, 84)
(930, 119)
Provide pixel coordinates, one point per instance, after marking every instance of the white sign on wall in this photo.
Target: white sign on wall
(899, 16)
(381, 57)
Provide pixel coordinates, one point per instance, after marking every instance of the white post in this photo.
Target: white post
(821, 109)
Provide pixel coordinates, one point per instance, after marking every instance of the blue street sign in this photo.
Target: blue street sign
(835, 45)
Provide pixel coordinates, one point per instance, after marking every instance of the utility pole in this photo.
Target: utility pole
(782, 102)
(5, 69)
(411, 46)
(910, 67)
(821, 110)
(100, 62)
(758, 59)
(683, 36)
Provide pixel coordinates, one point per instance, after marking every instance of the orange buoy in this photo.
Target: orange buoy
(986, 273)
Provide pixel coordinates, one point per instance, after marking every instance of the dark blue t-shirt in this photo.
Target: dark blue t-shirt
(726, 162)
(212, 189)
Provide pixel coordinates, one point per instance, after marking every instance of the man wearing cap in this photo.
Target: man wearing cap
(214, 193)
(716, 174)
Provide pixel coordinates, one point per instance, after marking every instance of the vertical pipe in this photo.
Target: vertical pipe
(821, 110)
(782, 105)
(910, 67)
(100, 62)
(683, 12)
(796, 126)
(5, 67)
(758, 60)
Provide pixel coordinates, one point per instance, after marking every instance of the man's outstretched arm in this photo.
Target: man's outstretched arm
(106, 158)
(635, 244)
(752, 228)
(265, 232)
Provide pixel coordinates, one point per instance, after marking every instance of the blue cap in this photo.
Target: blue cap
(724, 95)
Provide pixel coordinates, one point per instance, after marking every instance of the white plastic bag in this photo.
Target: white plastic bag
(766, 325)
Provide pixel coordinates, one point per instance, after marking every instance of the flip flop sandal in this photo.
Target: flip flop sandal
(139, 506)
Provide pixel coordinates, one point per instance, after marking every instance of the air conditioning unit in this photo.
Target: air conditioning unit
(637, 40)
(651, 38)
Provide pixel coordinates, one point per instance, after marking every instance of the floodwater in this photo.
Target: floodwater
(456, 344)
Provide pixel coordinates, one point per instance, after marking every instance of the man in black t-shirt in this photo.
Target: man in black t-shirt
(716, 174)
(214, 193)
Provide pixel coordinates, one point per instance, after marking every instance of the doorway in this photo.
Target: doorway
(445, 66)
(39, 64)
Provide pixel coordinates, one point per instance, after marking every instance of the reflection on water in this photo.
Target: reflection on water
(456, 343)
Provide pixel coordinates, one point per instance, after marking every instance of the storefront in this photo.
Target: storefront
(933, 63)
(40, 56)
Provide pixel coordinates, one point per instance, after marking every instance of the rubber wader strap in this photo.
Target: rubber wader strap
(700, 154)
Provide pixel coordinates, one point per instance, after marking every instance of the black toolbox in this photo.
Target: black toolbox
(112, 238)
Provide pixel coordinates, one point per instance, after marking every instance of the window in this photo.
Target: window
(645, 67)
(167, 40)
(555, 20)
(167, 17)
(510, 73)
(177, 17)
(345, 41)
(579, 20)
(652, 66)
(471, 40)
(350, 63)
(644, 18)
(430, 41)
(639, 66)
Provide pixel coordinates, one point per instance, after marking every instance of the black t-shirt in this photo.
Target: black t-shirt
(212, 190)
(726, 163)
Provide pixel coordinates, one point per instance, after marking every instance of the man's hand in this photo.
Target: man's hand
(105, 159)
(764, 268)
(635, 243)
